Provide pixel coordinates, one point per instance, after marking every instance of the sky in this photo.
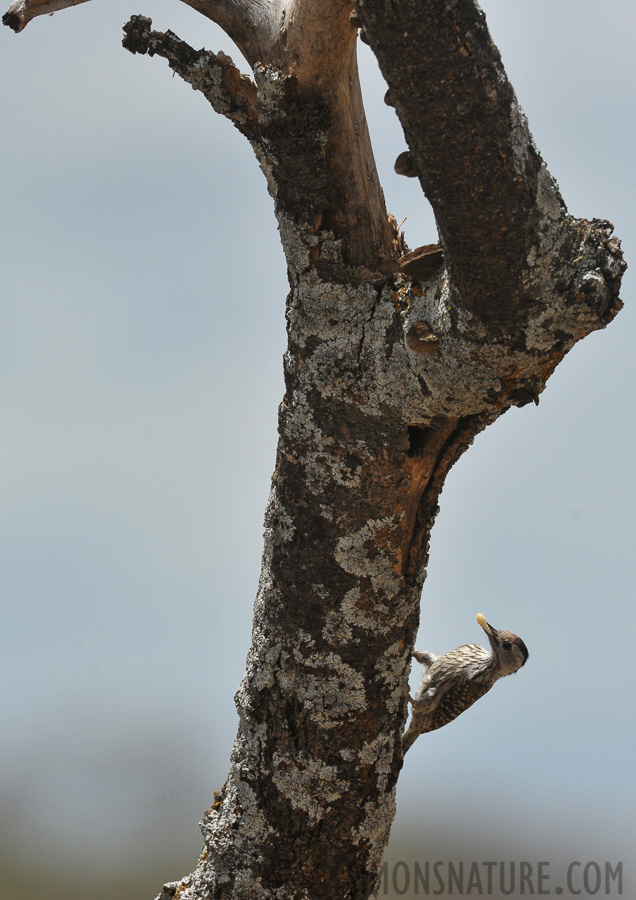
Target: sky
(142, 290)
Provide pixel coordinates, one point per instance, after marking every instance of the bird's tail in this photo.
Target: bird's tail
(408, 739)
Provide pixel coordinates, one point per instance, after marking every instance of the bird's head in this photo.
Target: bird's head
(508, 649)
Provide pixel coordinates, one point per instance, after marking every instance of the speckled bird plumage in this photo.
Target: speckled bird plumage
(454, 681)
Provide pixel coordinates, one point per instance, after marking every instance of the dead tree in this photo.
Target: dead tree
(395, 362)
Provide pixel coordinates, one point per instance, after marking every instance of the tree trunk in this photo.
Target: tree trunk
(391, 370)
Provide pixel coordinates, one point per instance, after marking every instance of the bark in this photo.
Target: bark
(21, 12)
(395, 362)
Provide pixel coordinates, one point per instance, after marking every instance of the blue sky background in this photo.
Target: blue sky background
(142, 292)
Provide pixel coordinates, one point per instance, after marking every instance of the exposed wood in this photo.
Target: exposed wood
(318, 44)
(311, 137)
(324, 163)
(244, 20)
(21, 12)
(253, 25)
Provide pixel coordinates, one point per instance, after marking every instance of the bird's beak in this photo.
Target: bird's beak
(488, 628)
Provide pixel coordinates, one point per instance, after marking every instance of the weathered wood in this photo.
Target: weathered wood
(21, 12)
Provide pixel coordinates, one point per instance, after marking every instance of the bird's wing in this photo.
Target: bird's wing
(425, 659)
(434, 687)
(439, 678)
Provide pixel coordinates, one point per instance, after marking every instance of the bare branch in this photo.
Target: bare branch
(469, 143)
(21, 12)
(250, 23)
(231, 94)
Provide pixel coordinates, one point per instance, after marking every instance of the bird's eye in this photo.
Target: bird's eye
(506, 645)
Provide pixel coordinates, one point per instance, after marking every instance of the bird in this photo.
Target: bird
(455, 680)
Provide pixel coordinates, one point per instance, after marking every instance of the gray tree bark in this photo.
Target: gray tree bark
(395, 362)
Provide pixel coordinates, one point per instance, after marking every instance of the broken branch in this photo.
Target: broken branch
(20, 13)
(230, 93)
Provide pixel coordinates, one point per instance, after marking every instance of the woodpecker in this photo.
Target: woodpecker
(454, 681)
